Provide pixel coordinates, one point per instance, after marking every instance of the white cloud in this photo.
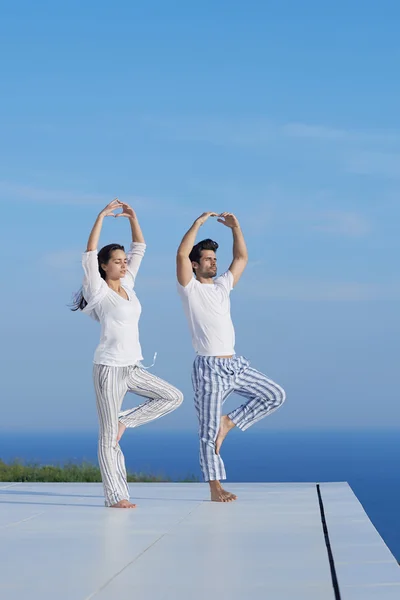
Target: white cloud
(252, 264)
(383, 164)
(11, 191)
(331, 134)
(217, 130)
(343, 223)
(309, 290)
(261, 131)
(261, 207)
(65, 267)
(302, 130)
(257, 221)
(16, 191)
(64, 260)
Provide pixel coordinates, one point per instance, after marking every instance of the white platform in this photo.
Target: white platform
(57, 541)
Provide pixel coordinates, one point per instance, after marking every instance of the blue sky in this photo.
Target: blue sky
(282, 112)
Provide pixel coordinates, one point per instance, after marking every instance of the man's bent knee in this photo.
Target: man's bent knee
(276, 399)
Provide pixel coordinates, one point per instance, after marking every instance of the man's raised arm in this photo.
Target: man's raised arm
(240, 256)
(184, 269)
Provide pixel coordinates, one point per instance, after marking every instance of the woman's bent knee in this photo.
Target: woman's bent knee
(177, 399)
(281, 396)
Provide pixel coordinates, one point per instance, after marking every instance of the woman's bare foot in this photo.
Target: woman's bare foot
(225, 426)
(218, 494)
(123, 504)
(121, 429)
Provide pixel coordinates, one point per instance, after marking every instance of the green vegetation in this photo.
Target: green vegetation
(84, 473)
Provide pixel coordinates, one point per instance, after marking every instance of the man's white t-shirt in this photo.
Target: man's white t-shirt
(208, 310)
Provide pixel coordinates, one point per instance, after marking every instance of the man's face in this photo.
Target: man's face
(207, 267)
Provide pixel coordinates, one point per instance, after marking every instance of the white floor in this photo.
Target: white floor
(58, 541)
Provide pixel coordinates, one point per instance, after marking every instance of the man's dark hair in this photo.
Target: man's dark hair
(195, 254)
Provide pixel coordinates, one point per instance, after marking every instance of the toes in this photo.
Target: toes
(231, 497)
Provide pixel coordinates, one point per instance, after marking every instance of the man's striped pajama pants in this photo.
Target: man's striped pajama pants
(111, 385)
(214, 379)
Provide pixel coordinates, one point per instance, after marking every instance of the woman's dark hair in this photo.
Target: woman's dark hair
(103, 257)
(207, 244)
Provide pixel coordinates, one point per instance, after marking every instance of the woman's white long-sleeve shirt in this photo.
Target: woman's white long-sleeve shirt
(119, 318)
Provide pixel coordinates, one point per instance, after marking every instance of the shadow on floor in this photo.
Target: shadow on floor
(51, 504)
(14, 492)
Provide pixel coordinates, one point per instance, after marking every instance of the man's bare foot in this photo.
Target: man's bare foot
(121, 429)
(218, 494)
(225, 426)
(123, 504)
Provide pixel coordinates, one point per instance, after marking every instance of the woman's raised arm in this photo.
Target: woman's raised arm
(138, 246)
(129, 213)
(94, 236)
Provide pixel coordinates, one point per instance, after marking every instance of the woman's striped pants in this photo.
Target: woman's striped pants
(214, 379)
(111, 385)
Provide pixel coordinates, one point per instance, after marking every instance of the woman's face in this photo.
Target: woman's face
(116, 266)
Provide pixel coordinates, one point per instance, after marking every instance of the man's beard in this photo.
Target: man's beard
(210, 274)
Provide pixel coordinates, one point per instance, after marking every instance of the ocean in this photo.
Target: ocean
(367, 460)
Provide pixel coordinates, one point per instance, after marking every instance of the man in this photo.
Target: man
(217, 370)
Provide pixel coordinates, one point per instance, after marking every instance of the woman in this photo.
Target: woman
(107, 295)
